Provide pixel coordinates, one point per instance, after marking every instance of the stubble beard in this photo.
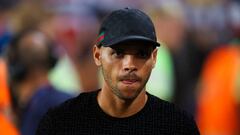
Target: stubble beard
(117, 91)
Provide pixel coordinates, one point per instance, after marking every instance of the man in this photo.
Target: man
(126, 53)
(30, 57)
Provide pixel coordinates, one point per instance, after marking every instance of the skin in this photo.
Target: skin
(126, 69)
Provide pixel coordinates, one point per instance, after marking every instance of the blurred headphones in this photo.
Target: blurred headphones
(17, 67)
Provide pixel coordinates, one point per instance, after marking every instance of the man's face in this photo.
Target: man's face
(126, 67)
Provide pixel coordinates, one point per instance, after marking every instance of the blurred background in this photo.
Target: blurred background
(46, 58)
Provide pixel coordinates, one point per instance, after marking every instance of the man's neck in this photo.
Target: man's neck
(29, 87)
(120, 108)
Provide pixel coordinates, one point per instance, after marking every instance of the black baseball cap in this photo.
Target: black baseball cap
(125, 25)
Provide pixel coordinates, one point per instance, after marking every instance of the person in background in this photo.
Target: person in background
(163, 79)
(218, 99)
(219, 90)
(30, 57)
(6, 125)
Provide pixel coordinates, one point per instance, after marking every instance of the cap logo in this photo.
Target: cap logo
(100, 38)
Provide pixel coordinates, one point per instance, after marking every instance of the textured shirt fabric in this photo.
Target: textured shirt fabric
(83, 116)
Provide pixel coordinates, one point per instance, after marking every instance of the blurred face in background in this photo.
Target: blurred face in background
(33, 48)
(28, 64)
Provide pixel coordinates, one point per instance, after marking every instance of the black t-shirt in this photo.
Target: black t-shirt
(83, 116)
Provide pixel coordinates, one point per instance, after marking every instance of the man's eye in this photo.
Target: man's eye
(118, 54)
(143, 54)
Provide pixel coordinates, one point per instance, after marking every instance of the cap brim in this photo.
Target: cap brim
(148, 41)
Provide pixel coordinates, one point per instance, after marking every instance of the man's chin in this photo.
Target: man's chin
(127, 98)
(129, 95)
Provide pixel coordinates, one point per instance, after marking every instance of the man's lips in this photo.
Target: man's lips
(129, 81)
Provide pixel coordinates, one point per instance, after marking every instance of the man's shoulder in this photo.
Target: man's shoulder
(160, 104)
(169, 110)
(73, 110)
(172, 116)
(78, 103)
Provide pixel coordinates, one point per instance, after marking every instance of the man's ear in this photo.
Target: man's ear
(97, 55)
(154, 57)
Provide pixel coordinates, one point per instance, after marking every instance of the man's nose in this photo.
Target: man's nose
(129, 63)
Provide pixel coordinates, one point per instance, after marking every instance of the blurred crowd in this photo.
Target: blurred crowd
(46, 58)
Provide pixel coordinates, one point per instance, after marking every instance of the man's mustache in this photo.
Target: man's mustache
(129, 76)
